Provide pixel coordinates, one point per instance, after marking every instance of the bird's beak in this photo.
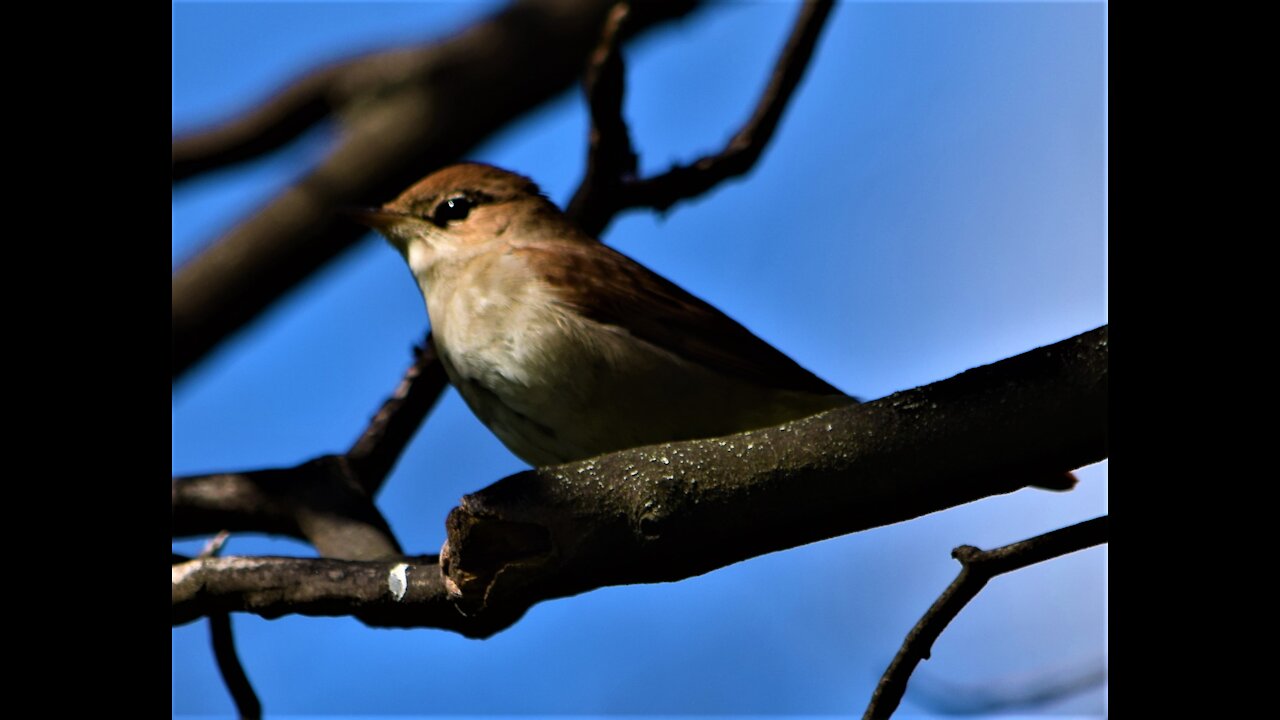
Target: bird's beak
(376, 218)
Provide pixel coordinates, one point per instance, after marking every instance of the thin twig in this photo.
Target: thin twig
(224, 646)
(611, 160)
(375, 453)
(978, 568)
(610, 195)
(214, 547)
(224, 650)
(681, 182)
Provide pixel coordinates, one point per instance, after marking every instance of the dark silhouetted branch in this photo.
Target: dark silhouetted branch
(327, 501)
(224, 645)
(671, 511)
(405, 113)
(611, 161)
(368, 590)
(224, 651)
(600, 196)
(319, 501)
(978, 568)
(674, 510)
(376, 452)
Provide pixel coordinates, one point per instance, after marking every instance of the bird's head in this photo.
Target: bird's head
(463, 208)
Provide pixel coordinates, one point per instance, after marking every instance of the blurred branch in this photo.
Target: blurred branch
(404, 112)
(978, 568)
(265, 128)
(674, 510)
(610, 185)
(327, 501)
(1009, 693)
(214, 546)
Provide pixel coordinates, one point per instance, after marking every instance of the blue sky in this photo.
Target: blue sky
(934, 199)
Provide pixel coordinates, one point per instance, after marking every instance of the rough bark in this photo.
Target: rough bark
(671, 511)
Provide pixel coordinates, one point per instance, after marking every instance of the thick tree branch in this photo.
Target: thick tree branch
(978, 568)
(602, 195)
(675, 510)
(670, 511)
(428, 108)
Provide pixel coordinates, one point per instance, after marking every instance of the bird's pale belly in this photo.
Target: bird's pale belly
(566, 348)
(557, 387)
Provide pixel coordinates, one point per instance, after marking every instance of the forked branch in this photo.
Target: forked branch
(979, 567)
(610, 185)
(327, 501)
(671, 511)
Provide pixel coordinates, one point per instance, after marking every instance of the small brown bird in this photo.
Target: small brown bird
(566, 348)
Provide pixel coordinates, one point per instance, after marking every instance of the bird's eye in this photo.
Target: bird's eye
(454, 208)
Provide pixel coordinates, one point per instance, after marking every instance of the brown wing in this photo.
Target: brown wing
(613, 289)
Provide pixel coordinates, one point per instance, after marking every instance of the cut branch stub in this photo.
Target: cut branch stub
(671, 511)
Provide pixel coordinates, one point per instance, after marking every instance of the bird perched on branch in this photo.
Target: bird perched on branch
(566, 348)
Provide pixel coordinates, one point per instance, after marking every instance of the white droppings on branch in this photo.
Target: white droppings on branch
(398, 580)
